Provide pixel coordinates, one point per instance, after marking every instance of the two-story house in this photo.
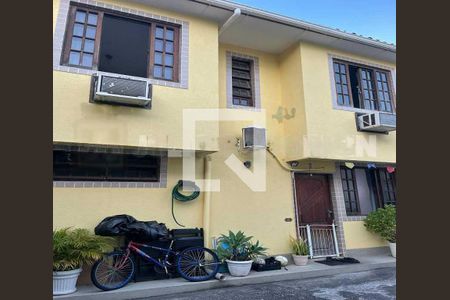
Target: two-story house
(311, 84)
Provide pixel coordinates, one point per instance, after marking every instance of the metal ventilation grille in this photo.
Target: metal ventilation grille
(369, 120)
(122, 86)
(388, 119)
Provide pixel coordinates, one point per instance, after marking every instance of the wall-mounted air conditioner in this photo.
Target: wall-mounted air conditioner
(254, 137)
(377, 122)
(122, 90)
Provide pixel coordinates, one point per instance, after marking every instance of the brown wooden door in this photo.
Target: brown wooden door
(313, 199)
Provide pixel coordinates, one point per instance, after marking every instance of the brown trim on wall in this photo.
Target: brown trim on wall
(100, 11)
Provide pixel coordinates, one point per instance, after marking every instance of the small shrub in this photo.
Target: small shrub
(74, 247)
(383, 222)
(299, 246)
(238, 247)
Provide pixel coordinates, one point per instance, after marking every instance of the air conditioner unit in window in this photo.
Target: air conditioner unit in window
(254, 137)
(122, 90)
(377, 122)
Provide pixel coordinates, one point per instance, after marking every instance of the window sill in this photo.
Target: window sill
(354, 218)
(359, 110)
(250, 108)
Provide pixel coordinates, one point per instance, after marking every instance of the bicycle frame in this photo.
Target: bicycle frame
(133, 246)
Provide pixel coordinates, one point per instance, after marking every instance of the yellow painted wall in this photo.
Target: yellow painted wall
(292, 94)
(236, 207)
(357, 236)
(298, 78)
(76, 120)
(55, 12)
(86, 207)
(332, 133)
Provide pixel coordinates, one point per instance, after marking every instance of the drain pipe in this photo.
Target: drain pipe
(220, 276)
(207, 200)
(231, 20)
(207, 208)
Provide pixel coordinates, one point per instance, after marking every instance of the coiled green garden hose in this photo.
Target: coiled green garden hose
(181, 197)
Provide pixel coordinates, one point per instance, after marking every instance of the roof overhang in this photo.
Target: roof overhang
(273, 33)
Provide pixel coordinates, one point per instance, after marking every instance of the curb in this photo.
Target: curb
(175, 286)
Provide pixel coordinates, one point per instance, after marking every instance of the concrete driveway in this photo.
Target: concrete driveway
(374, 285)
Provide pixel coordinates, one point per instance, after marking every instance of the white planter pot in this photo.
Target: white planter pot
(393, 247)
(65, 282)
(239, 268)
(300, 260)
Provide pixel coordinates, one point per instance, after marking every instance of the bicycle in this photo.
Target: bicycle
(116, 269)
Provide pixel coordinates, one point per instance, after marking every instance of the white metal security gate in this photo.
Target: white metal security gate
(321, 239)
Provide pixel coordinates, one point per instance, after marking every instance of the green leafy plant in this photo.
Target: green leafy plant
(299, 246)
(383, 222)
(74, 247)
(238, 247)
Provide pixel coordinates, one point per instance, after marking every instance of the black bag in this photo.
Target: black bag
(142, 231)
(114, 225)
(125, 225)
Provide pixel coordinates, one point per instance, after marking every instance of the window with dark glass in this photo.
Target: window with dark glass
(93, 166)
(363, 87)
(164, 52)
(367, 189)
(350, 191)
(242, 82)
(124, 46)
(387, 187)
(342, 84)
(110, 41)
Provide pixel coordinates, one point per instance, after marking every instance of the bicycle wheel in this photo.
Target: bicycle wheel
(113, 271)
(197, 264)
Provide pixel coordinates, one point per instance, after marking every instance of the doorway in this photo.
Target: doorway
(313, 199)
(315, 216)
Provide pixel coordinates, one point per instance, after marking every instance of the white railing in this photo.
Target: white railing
(321, 239)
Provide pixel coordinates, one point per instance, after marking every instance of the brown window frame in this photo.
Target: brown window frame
(101, 11)
(176, 55)
(352, 211)
(373, 71)
(234, 82)
(380, 187)
(390, 178)
(69, 35)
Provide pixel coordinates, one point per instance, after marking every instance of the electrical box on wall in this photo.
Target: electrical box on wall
(254, 137)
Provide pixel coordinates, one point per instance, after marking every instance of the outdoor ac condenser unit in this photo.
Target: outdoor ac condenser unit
(254, 137)
(122, 90)
(377, 122)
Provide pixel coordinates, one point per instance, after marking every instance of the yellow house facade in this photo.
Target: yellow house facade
(305, 85)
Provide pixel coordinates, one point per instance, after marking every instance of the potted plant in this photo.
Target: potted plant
(383, 222)
(238, 251)
(71, 249)
(300, 251)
